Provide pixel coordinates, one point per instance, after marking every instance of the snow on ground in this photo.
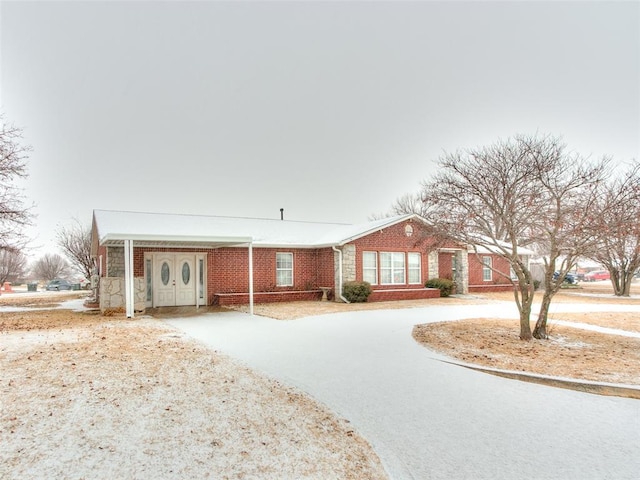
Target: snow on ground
(21, 300)
(137, 400)
(596, 328)
(428, 419)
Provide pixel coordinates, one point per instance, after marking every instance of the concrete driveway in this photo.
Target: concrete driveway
(428, 419)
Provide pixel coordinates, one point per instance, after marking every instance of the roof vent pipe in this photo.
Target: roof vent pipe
(282, 214)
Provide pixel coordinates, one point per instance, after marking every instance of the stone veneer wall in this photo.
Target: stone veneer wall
(112, 293)
(115, 262)
(348, 267)
(433, 264)
(349, 263)
(462, 275)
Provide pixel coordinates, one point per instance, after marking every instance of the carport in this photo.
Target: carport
(115, 229)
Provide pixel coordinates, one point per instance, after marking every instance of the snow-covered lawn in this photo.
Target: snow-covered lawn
(84, 396)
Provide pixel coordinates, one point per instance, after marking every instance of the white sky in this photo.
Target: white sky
(330, 110)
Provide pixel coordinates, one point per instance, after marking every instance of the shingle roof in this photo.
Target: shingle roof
(116, 226)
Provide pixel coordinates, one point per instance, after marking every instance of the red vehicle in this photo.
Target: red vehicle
(597, 275)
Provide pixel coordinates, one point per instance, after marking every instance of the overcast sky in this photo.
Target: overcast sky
(330, 110)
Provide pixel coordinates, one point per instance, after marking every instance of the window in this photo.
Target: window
(392, 268)
(201, 278)
(370, 267)
(486, 269)
(415, 272)
(284, 269)
(148, 274)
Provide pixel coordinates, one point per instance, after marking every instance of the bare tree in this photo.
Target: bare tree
(410, 203)
(616, 228)
(51, 266)
(569, 189)
(13, 213)
(522, 192)
(487, 197)
(13, 264)
(75, 242)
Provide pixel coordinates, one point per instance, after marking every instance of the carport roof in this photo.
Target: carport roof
(112, 228)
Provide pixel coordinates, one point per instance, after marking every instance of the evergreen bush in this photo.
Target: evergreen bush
(443, 284)
(356, 292)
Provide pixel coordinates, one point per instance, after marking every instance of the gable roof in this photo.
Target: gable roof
(160, 229)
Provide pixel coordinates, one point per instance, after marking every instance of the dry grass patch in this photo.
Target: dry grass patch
(569, 353)
(84, 396)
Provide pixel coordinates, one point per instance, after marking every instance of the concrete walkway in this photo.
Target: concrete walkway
(428, 419)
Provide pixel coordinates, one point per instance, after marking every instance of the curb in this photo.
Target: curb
(586, 386)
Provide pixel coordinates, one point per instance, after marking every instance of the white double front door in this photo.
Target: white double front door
(174, 279)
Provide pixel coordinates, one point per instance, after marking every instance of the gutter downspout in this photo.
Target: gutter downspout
(340, 273)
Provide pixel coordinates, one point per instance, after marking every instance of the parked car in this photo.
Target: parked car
(57, 285)
(597, 275)
(569, 278)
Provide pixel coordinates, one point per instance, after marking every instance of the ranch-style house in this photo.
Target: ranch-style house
(148, 260)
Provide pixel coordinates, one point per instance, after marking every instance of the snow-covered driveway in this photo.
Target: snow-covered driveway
(428, 419)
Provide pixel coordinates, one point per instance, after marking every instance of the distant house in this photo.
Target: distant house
(153, 260)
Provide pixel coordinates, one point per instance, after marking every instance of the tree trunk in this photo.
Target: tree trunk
(621, 284)
(615, 281)
(524, 307)
(540, 330)
(525, 325)
(625, 284)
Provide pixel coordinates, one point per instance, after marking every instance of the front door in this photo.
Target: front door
(185, 280)
(164, 281)
(174, 279)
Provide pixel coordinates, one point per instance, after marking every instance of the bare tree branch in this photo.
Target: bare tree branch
(13, 213)
(615, 227)
(50, 267)
(75, 242)
(13, 265)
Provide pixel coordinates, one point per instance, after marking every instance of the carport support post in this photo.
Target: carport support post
(250, 278)
(128, 278)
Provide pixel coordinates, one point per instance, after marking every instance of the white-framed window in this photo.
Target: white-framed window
(370, 267)
(284, 269)
(414, 267)
(392, 268)
(486, 269)
(148, 274)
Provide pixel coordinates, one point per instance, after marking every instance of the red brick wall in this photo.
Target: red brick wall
(403, 294)
(394, 239)
(266, 297)
(228, 268)
(498, 282)
(445, 265)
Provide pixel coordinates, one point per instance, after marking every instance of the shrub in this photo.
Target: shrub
(356, 292)
(443, 284)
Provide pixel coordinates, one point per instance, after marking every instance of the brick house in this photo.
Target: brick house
(152, 260)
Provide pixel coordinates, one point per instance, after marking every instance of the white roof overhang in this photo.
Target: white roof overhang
(174, 241)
